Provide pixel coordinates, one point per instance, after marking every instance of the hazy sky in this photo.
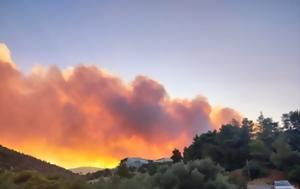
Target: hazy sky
(241, 54)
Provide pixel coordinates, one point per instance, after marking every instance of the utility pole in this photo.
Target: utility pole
(248, 171)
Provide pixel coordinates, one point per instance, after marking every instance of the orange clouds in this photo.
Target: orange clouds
(86, 116)
(5, 56)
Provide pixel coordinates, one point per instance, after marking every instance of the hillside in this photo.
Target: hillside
(13, 160)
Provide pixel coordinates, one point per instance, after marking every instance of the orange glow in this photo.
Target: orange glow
(221, 115)
(92, 118)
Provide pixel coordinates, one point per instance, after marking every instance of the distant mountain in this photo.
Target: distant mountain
(163, 160)
(134, 162)
(85, 170)
(137, 162)
(13, 160)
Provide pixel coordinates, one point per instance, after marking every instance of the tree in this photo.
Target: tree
(176, 157)
(233, 146)
(291, 124)
(291, 120)
(259, 151)
(228, 147)
(123, 170)
(268, 129)
(248, 129)
(202, 146)
(282, 153)
(285, 159)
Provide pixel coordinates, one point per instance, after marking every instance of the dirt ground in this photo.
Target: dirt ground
(259, 186)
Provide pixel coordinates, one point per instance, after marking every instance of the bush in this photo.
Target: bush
(193, 175)
(204, 174)
(221, 182)
(238, 178)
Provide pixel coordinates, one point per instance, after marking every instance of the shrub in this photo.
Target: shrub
(221, 182)
(239, 180)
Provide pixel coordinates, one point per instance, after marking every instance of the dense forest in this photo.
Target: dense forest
(251, 149)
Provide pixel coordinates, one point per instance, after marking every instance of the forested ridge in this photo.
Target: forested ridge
(255, 147)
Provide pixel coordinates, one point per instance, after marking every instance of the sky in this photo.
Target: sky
(244, 55)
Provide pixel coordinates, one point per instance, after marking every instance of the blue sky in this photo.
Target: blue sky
(241, 54)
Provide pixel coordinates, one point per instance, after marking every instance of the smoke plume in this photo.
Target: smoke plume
(87, 116)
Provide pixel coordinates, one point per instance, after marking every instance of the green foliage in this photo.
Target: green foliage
(259, 151)
(282, 153)
(239, 180)
(221, 182)
(228, 147)
(265, 144)
(285, 159)
(268, 130)
(291, 124)
(199, 146)
(233, 146)
(196, 174)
